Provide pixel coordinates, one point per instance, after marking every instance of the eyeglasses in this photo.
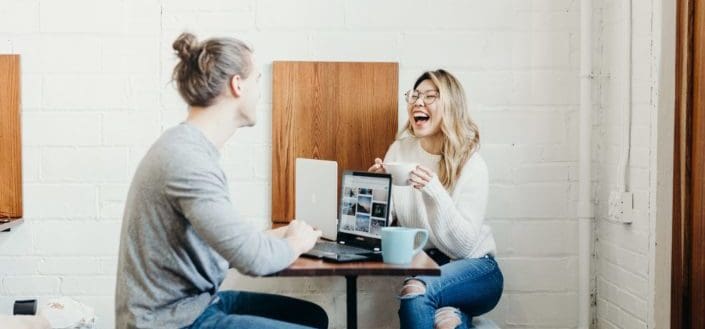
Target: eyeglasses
(428, 97)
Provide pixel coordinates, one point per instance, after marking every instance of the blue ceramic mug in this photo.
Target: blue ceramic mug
(398, 244)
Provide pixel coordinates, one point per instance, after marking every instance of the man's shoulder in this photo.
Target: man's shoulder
(178, 151)
(183, 143)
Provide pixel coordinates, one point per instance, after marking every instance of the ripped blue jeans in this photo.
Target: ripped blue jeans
(468, 287)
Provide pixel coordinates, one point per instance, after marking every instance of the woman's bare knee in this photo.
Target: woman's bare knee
(412, 288)
(447, 318)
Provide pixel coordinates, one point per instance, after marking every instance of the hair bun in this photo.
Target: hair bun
(206, 60)
(186, 45)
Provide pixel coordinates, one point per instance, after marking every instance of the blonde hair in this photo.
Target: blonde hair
(461, 137)
(205, 68)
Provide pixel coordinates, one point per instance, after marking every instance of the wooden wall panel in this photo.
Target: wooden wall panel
(10, 147)
(697, 266)
(341, 111)
(688, 265)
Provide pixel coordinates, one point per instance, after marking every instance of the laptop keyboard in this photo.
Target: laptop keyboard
(337, 248)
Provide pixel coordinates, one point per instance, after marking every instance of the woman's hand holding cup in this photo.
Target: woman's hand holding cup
(421, 176)
(378, 167)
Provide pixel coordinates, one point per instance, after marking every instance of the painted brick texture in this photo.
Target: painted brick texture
(96, 94)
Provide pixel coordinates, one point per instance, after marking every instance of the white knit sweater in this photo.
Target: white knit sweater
(455, 222)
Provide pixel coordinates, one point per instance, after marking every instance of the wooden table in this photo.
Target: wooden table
(420, 265)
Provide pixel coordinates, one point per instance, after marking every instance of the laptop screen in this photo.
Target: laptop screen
(364, 206)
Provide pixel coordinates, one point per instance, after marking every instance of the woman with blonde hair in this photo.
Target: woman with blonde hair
(447, 195)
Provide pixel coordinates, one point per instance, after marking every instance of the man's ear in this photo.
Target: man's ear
(236, 85)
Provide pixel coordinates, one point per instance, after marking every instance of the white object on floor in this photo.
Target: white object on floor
(23, 322)
(66, 313)
(483, 323)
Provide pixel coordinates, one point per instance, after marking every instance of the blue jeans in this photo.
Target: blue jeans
(473, 286)
(240, 309)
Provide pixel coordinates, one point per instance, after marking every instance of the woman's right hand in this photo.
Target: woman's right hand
(378, 167)
(301, 236)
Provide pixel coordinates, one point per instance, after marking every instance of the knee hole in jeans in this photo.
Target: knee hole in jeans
(447, 318)
(412, 288)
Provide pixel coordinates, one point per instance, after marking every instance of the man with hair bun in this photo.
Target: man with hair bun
(180, 231)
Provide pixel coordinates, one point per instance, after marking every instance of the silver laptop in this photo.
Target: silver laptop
(354, 232)
(316, 194)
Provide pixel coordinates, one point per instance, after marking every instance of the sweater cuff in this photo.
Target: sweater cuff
(291, 256)
(435, 189)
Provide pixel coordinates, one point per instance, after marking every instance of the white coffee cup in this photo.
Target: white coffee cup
(400, 172)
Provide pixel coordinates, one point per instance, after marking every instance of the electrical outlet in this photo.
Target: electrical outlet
(621, 207)
(627, 207)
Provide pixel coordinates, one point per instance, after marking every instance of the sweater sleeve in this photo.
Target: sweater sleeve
(392, 154)
(457, 223)
(201, 195)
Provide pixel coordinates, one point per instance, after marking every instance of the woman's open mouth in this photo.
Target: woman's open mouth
(420, 119)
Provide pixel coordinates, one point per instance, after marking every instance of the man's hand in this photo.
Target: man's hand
(301, 236)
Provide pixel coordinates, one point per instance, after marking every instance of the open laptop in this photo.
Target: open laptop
(354, 232)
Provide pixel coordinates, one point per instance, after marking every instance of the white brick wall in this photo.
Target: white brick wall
(624, 253)
(96, 95)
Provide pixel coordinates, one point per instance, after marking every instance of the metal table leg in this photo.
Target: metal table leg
(351, 296)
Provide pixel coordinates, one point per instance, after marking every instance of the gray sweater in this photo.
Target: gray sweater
(180, 233)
